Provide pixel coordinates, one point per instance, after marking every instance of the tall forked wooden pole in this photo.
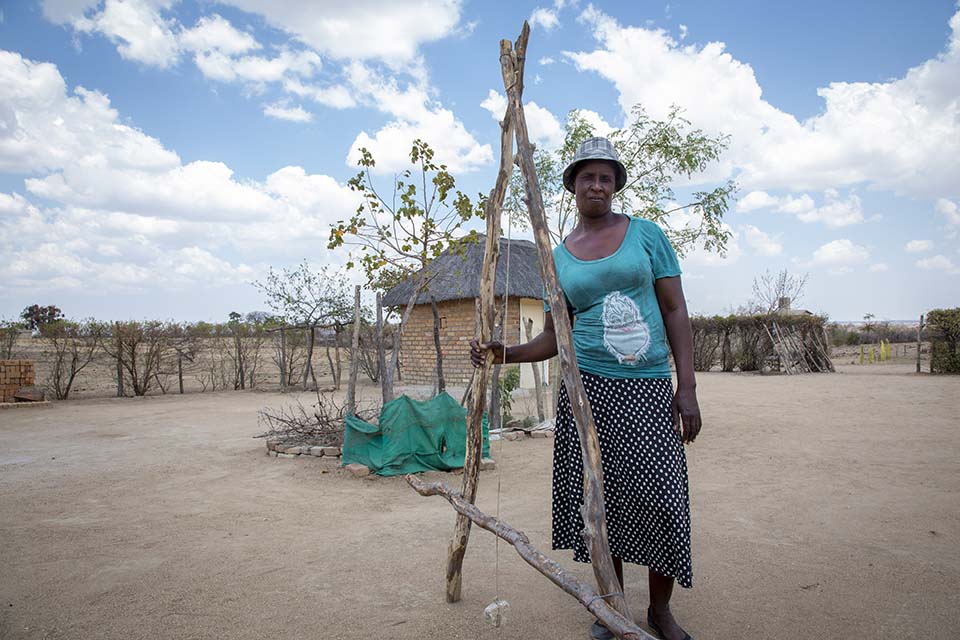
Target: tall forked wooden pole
(478, 391)
(593, 513)
(608, 603)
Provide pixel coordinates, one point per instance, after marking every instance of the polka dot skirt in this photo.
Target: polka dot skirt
(644, 475)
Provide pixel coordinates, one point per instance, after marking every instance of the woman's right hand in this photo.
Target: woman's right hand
(478, 352)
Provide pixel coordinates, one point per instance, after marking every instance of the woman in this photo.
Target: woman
(621, 279)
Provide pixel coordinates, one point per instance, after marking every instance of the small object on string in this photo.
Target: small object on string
(496, 612)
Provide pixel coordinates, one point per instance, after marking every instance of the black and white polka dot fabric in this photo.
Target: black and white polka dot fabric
(644, 475)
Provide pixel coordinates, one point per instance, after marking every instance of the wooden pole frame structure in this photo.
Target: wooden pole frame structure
(478, 385)
(593, 510)
(608, 603)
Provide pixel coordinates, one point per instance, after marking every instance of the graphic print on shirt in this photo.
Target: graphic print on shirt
(625, 333)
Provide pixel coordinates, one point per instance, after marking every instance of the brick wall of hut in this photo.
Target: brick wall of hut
(457, 328)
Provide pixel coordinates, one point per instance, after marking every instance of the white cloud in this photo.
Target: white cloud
(762, 243)
(756, 200)
(840, 253)
(546, 60)
(545, 18)
(261, 69)
(12, 203)
(879, 267)
(950, 211)
(544, 128)
(416, 115)
(600, 126)
(937, 263)
(335, 96)
(122, 212)
(137, 27)
(835, 213)
(683, 31)
(46, 128)
(281, 111)
(902, 135)
(496, 104)
(918, 246)
(796, 205)
(363, 29)
(214, 33)
(697, 256)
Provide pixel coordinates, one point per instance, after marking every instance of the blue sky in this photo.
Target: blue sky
(157, 156)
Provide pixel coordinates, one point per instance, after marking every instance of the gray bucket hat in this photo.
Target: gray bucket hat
(595, 149)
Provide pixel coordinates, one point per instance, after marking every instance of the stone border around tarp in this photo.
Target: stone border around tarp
(280, 449)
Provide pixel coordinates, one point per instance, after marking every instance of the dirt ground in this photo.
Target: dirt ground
(823, 506)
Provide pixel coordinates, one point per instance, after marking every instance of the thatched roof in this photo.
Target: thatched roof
(458, 276)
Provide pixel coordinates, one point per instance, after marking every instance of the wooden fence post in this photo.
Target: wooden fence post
(354, 355)
(537, 381)
(919, 333)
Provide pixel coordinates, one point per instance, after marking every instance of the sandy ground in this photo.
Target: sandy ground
(824, 506)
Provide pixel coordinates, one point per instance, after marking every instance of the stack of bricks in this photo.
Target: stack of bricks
(13, 375)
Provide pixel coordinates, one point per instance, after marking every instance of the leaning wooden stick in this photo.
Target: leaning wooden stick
(478, 385)
(622, 627)
(593, 513)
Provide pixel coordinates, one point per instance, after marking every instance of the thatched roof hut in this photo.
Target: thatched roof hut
(455, 286)
(458, 276)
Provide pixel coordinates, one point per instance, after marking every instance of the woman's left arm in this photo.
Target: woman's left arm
(673, 308)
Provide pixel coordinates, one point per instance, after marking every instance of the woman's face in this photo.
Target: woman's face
(594, 186)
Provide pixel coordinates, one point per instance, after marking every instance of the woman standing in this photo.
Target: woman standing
(622, 284)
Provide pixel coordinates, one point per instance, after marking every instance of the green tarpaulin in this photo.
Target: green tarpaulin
(413, 436)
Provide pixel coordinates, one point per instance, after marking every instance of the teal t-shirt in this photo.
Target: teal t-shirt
(619, 331)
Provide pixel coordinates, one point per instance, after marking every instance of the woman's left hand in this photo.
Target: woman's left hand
(686, 414)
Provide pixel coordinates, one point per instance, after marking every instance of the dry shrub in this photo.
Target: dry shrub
(944, 328)
(320, 424)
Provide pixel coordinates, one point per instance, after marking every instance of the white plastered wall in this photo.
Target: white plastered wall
(531, 308)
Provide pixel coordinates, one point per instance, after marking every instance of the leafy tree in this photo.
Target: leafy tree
(73, 346)
(309, 299)
(399, 235)
(656, 154)
(248, 338)
(139, 349)
(36, 316)
(9, 330)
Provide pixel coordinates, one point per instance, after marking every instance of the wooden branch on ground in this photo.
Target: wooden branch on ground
(593, 512)
(478, 385)
(622, 627)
